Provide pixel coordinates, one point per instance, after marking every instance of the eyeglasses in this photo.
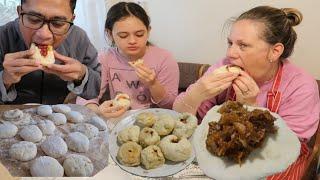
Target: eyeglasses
(32, 21)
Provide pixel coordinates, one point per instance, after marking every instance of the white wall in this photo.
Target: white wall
(193, 29)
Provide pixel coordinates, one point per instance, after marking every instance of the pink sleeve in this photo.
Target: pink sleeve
(102, 57)
(208, 104)
(301, 109)
(168, 76)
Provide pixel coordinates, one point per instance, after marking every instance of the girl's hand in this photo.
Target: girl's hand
(146, 75)
(246, 89)
(108, 110)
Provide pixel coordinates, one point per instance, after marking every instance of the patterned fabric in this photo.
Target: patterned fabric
(295, 170)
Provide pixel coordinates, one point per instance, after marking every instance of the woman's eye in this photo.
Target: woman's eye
(242, 46)
(229, 43)
(140, 35)
(123, 36)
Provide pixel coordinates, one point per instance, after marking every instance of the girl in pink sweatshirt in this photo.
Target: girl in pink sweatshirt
(155, 82)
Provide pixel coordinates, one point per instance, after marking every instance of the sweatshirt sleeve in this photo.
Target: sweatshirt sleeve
(168, 76)
(102, 57)
(206, 105)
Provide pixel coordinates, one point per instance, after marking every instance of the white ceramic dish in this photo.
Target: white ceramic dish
(169, 168)
(278, 152)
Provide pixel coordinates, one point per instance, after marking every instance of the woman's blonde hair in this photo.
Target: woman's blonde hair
(278, 25)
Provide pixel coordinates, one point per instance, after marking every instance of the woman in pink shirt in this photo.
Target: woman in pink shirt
(155, 82)
(260, 41)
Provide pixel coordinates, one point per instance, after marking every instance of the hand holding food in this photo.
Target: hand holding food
(18, 64)
(246, 89)
(69, 69)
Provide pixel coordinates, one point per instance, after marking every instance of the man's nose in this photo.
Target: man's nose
(44, 32)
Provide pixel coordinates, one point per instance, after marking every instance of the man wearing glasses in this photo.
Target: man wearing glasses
(76, 69)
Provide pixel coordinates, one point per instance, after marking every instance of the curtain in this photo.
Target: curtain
(8, 10)
(90, 16)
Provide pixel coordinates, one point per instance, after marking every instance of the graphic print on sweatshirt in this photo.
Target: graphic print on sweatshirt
(127, 81)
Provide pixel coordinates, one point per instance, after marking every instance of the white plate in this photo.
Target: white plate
(278, 152)
(169, 168)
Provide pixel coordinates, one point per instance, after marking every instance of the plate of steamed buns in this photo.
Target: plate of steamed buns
(153, 142)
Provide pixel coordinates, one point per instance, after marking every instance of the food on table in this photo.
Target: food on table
(185, 125)
(77, 142)
(129, 154)
(75, 117)
(122, 100)
(7, 130)
(77, 166)
(58, 118)
(12, 115)
(239, 132)
(130, 133)
(44, 110)
(54, 146)
(164, 125)
(31, 133)
(43, 53)
(175, 149)
(47, 127)
(87, 129)
(146, 119)
(152, 157)
(46, 166)
(135, 63)
(61, 108)
(33, 124)
(98, 122)
(23, 151)
(148, 136)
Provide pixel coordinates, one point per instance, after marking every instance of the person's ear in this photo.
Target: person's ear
(73, 17)
(18, 10)
(149, 30)
(276, 52)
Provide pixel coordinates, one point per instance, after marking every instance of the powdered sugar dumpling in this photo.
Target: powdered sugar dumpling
(98, 122)
(31, 133)
(7, 130)
(12, 115)
(77, 142)
(61, 108)
(87, 129)
(54, 146)
(58, 118)
(75, 117)
(44, 110)
(23, 151)
(78, 165)
(47, 127)
(46, 166)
